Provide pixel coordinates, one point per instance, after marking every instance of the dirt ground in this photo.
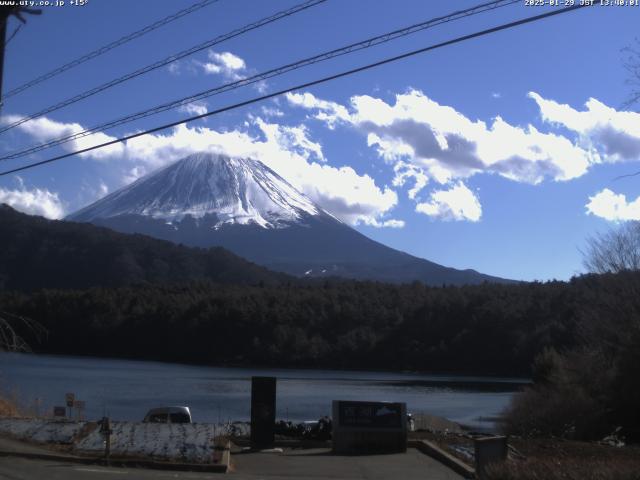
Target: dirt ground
(549, 459)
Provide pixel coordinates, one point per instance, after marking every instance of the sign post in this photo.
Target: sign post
(69, 399)
(106, 431)
(489, 450)
(369, 427)
(263, 411)
(79, 405)
(59, 411)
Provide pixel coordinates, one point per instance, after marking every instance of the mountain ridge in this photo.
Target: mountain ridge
(208, 200)
(38, 253)
(239, 191)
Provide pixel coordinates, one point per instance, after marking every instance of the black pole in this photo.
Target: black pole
(5, 12)
(263, 411)
(3, 39)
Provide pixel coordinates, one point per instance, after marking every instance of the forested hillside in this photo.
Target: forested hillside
(38, 253)
(486, 329)
(579, 340)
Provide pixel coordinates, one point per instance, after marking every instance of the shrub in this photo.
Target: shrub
(568, 412)
(569, 399)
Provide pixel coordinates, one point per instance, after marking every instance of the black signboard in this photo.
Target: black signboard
(370, 414)
(263, 411)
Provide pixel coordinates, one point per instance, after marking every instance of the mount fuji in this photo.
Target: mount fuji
(207, 200)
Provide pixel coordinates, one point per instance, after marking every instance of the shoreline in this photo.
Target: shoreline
(465, 378)
(128, 389)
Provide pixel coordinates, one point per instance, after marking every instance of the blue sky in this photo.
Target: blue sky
(497, 154)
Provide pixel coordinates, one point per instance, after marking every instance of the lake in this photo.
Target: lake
(126, 389)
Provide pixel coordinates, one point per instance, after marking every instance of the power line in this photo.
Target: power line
(368, 43)
(15, 32)
(102, 50)
(166, 61)
(306, 85)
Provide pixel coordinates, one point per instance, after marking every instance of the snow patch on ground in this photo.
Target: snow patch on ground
(190, 443)
(41, 430)
(187, 443)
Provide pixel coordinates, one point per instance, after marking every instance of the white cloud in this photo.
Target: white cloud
(226, 64)
(615, 135)
(392, 223)
(329, 112)
(292, 138)
(261, 86)
(457, 203)
(426, 144)
(614, 207)
(34, 202)
(425, 141)
(228, 60)
(404, 172)
(288, 150)
(444, 145)
(88, 191)
(43, 130)
(272, 112)
(174, 68)
(133, 174)
(194, 108)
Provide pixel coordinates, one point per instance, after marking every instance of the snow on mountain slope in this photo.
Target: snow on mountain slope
(237, 191)
(207, 200)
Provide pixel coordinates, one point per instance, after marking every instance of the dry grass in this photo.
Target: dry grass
(566, 469)
(550, 458)
(8, 408)
(13, 405)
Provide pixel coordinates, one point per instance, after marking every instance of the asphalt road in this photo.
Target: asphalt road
(320, 464)
(316, 464)
(12, 468)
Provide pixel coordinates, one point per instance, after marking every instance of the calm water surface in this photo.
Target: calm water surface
(126, 389)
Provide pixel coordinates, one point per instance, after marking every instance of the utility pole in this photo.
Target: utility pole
(3, 39)
(5, 13)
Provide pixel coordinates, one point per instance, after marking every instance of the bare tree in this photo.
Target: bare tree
(632, 65)
(10, 326)
(614, 251)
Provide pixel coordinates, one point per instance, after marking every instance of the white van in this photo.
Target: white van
(168, 415)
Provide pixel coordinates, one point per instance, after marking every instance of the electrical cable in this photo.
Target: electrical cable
(15, 32)
(306, 85)
(102, 50)
(166, 61)
(368, 43)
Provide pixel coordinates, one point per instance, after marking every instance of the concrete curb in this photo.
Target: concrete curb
(222, 467)
(431, 449)
(289, 443)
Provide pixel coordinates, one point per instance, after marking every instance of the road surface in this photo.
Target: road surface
(316, 464)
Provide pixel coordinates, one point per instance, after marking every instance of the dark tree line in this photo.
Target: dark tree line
(580, 340)
(486, 329)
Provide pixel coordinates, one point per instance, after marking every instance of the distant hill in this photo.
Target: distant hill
(240, 204)
(39, 253)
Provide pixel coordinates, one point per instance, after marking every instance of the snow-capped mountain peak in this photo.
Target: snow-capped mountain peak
(236, 190)
(207, 200)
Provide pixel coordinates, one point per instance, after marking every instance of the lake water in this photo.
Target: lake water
(126, 389)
